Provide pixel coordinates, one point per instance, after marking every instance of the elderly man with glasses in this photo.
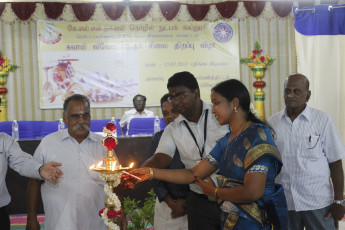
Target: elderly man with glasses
(76, 201)
(139, 103)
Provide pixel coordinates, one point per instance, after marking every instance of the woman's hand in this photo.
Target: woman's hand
(208, 187)
(130, 179)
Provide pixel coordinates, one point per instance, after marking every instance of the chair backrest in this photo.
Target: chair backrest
(141, 126)
(6, 127)
(98, 125)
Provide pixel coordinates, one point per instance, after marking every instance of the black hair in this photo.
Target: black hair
(75, 97)
(183, 79)
(164, 99)
(139, 95)
(232, 88)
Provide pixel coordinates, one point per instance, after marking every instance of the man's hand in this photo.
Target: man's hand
(178, 207)
(130, 179)
(208, 187)
(32, 224)
(337, 211)
(51, 172)
(122, 221)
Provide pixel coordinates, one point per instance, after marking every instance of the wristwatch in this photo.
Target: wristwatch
(341, 202)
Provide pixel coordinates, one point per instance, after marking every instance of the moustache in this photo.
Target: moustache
(290, 100)
(78, 126)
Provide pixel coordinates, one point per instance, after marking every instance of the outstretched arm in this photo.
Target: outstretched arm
(177, 176)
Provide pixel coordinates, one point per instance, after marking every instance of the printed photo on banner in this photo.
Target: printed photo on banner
(110, 62)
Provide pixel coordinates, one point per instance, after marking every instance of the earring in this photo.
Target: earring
(235, 110)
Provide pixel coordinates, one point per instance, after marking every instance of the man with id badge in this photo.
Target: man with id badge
(311, 149)
(194, 133)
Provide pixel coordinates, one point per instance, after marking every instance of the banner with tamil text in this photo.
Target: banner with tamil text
(111, 62)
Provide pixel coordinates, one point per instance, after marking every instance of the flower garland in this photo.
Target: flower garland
(254, 111)
(110, 215)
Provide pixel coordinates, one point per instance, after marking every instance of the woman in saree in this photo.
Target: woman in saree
(247, 161)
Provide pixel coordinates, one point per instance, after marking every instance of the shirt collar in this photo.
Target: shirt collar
(182, 118)
(306, 113)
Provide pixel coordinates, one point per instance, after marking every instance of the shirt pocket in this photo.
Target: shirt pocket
(312, 148)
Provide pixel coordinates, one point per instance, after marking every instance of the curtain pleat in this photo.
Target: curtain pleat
(140, 11)
(254, 8)
(2, 7)
(23, 10)
(113, 10)
(282, 9)
(53, 10)
(169, 10)
(198, 12)
(227, 9)
(83, 11)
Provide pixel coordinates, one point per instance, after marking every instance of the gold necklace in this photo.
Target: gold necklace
(244, 126)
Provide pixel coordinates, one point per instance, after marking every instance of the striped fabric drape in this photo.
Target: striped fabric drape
(19, 43)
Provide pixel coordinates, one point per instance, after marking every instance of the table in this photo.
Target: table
(129, 149)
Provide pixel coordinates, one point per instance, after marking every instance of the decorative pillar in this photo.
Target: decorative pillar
(259, 94)
(258, 63)
(3, 92)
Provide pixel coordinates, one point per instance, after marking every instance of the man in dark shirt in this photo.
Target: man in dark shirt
(170, 209)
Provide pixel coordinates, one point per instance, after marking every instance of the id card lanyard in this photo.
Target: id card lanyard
(201, 152)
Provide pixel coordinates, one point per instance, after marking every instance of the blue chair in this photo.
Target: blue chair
(98, 125)
(163, 125)
(6, 127)
(26, 130)
(46, 127)
(141, 126)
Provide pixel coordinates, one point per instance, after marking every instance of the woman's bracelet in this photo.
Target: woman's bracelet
(151, 173)
(215, 192)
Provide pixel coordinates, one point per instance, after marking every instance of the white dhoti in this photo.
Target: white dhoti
(163, 220)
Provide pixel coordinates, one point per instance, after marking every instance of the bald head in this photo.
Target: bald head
(298, 77)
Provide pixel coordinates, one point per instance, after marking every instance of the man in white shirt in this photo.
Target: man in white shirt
(75, 202)
(139, 103)
(23, 163)
(194, 133)
(312, 149)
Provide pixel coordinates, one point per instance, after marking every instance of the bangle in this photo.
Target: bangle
(151, 173)
(215, 192)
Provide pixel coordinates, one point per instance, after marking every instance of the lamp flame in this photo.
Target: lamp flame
(100, 164)
(92, 166)
(113, 166)
(131, 165)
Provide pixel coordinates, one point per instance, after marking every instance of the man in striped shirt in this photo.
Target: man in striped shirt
(312, 149)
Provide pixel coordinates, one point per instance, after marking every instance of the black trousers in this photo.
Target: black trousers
(202, 213)
(4, 219)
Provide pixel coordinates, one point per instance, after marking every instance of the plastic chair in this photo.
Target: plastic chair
(141, 126)
(26, 130)
(6, 127)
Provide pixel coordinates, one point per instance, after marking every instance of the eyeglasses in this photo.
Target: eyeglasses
(178, 97)
(76, 117)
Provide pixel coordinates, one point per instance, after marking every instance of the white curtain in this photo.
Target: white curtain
(322, 59)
